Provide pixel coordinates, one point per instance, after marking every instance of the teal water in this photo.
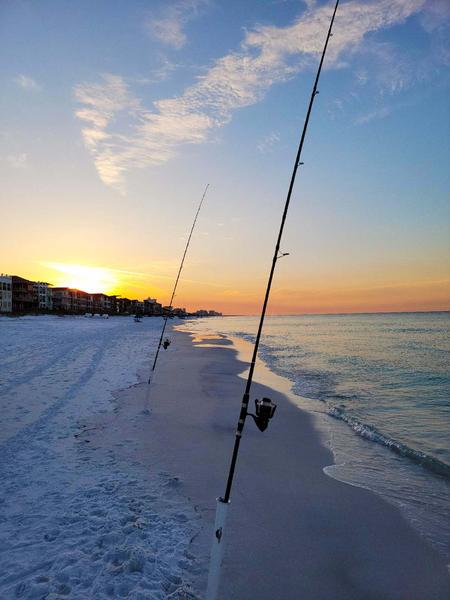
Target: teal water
(381, 385)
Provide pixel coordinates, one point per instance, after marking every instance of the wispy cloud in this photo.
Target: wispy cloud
(379, 113)
(393, 70)
(27, 83)
(17, 161)
(168, 28)
(436, 15)
(266, 144)
(267, 55)
(100, 105)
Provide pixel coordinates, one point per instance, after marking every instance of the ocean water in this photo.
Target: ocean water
(379, 386)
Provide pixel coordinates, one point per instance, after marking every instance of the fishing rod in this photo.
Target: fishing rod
(264, 408)
(166, 342)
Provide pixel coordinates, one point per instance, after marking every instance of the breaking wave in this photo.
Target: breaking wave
(371, 433)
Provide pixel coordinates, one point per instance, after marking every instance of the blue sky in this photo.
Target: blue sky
(116, 114)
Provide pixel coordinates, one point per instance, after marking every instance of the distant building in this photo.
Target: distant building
(113, 305)
(61, 299)
(72, 301)
(137, 307)
(23, 297)
(152, 307)
(5, 293)
(80, 302)
(206, 313)
(101, 303)
(43, 295)
(123, 306)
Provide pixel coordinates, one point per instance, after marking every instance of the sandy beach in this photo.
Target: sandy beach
(293, 532)
(109, 484)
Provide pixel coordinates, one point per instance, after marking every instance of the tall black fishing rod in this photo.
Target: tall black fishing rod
(264, 408)
(160, 343)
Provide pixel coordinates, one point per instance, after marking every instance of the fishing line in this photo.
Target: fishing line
(166, 317)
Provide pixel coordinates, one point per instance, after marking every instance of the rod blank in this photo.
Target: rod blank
(177, 280)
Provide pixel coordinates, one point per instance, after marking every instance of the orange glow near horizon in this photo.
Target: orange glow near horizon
(312, 293)
(319, 298)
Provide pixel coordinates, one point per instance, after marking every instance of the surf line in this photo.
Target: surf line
(265, 409)
(166, 343)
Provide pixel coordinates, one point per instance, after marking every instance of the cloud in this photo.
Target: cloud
(435, 15)
(268, 142)
(393, 70)
(169, 28)
(379, 113)
(17, 161)
(100, 105)
(268, 55)
(435, 20)
(27, 83)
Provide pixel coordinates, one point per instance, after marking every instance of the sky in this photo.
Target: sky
(115, 116)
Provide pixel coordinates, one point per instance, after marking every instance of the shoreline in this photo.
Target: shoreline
(344, 468)
(325, 539)
(362, 456)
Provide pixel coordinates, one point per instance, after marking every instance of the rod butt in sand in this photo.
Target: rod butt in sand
(217, 548)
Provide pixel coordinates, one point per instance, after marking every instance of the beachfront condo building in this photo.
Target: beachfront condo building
(5, 293)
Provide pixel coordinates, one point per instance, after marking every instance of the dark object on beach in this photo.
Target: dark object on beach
(222, 503)
(137, 319)
(265, 409)
(166, 343)
(168, 315)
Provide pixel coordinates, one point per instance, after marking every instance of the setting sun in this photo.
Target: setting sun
(89, 279)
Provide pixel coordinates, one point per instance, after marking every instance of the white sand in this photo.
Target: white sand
(78, 520)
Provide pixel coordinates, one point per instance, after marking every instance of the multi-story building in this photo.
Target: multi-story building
(23, 297)
(43, 295)
(71, 300)
(123, 306)
(61, 299)
(75, 301)
(113, 305)
(79, 301)
(18, 294)
(5, 293)
(137, 307)
(101, 303)
(152, 307)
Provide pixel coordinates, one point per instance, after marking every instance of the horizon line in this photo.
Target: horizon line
(337, 314)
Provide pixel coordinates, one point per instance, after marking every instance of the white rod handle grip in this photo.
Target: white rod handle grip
(217, 548)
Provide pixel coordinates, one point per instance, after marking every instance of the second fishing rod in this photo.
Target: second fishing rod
(166, 317)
